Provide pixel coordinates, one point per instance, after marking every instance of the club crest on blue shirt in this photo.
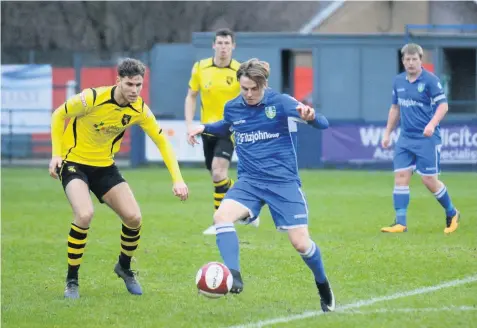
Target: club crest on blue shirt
(420, 87)
(270, 111)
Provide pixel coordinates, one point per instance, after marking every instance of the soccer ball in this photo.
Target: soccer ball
(214, 280)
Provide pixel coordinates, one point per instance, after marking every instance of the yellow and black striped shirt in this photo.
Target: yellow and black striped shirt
(217, 85)
(97, 126)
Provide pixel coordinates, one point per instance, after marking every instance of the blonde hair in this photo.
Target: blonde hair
(412, 49)
(256, 70)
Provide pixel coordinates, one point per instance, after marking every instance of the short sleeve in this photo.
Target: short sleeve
(394, 94)
(194, 82)
(436, 92)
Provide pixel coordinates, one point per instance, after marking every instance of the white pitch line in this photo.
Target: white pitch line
(359, 304)
(411, 310)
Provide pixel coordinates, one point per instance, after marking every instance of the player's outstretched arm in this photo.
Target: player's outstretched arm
(303, 113)
(74, 107)
(193, 132)
(154, 131)
(219, 129)
(312, 118)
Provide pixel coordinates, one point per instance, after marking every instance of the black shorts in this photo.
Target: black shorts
(99, 179)
(216, 147)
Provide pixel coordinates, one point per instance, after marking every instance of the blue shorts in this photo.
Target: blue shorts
(421, 155)
(286, 201)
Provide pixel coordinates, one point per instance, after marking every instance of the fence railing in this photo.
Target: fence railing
(26, 136)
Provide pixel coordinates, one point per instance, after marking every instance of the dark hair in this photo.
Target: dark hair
(131, 67)
(256, 70)
(224, 32)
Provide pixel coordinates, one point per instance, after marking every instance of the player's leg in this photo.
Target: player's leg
(75, 183)
(218, 154)
(223, 153)
(208, 144)
(111, 188)
(240, 202)
(311, 255)
(289, 211)
(404, 164)
(222, 183)
(428, 166)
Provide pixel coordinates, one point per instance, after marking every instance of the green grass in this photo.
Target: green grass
(347, 210)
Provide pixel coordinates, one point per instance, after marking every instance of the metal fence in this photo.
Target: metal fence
(25, 134)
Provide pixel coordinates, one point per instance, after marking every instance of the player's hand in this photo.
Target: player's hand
(429, 130)
(190, 128)
(55, 164)
(193, 132)
(385, 141)
(306, 112)
(180, 190)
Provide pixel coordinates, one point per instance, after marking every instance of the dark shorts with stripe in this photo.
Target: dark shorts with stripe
(216, 147)
(99, 179)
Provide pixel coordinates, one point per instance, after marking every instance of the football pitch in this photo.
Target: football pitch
(421, 278)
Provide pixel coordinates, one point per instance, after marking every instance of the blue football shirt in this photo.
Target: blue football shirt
(418, 102)
(263, 136)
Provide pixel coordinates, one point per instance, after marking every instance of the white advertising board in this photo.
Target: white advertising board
(27, 98)
(176, 132)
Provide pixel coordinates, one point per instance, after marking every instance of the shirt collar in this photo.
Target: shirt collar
(420, 77)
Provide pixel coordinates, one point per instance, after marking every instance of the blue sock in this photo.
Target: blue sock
(228, 244)
(312, 258)
(401, 202)
(443, 198)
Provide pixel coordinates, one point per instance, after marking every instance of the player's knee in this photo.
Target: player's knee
(402, 178)
(83, 217)
(218, 174)
(224, 215)
(301, 245)
(430, 181)
(220, 217)
(133, 219)
(300, 240)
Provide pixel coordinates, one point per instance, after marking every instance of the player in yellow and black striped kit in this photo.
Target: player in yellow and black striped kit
(215, 78)
(83, 159)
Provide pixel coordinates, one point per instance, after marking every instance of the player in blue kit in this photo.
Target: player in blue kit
(420, 104)
(267, 171)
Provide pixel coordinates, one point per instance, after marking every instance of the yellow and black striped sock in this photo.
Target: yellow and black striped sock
(220, 189)
(129, 242)
(76, 245)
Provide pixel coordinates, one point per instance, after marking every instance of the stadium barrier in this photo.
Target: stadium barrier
(344, 144)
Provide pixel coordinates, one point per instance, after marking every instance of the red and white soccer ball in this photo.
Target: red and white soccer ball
(214, 280)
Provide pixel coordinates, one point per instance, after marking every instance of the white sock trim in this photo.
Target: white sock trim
(440, 192)
(310, 251)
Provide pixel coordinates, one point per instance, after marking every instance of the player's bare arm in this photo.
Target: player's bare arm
(441, 112)
(393, 118)
(193, 132)
(219, 129)
(190, 104)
